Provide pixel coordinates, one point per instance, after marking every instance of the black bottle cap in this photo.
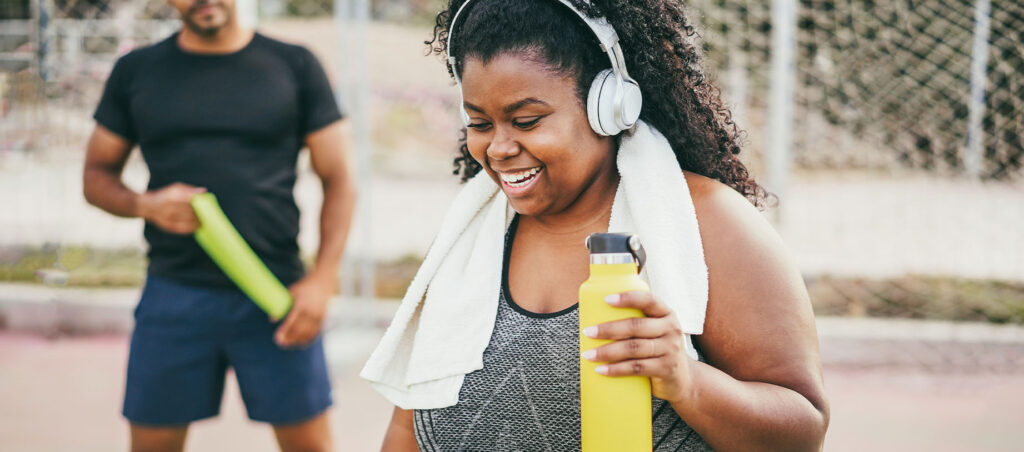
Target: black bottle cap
(608, 243)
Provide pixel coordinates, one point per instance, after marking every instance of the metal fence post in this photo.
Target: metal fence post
(248, 13)
(353, 93)
(976, 113)
(342, 94)
(738, 85)
(782, 86)
(44, 38)
(362, 140)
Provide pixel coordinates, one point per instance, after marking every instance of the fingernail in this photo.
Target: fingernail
(603, 370)
(613, 298)
(590, 354)
(590, 331)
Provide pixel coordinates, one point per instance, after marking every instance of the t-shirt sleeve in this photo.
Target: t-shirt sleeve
(114, 109)
(319, 107)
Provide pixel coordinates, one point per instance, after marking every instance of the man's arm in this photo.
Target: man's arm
(328, 149)
(102, 186)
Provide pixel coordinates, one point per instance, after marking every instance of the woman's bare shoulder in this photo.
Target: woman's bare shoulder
(720, 206)
(736, 236)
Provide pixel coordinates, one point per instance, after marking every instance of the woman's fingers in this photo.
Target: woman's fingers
(630, 349)
(659, 320)
(651, 367)
(643, 301)
(635, 327)
(647, 346)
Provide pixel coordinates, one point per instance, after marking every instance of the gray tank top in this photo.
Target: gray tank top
(527, 395)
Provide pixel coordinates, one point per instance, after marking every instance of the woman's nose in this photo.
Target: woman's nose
(502, 147)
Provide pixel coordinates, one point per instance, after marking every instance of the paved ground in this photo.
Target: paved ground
(65, 394)
(894, 385)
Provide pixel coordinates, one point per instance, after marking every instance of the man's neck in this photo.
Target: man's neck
(229, 39)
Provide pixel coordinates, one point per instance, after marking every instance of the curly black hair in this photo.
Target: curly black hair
(657, 41)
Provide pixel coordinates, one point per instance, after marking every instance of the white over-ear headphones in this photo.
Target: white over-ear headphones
(614, 100)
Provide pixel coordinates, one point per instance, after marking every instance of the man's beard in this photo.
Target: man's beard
(201, 30)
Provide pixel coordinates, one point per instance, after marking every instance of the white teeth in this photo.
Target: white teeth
(518, 179)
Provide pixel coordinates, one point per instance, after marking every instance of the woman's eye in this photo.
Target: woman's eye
(479, 126)
(526, 123)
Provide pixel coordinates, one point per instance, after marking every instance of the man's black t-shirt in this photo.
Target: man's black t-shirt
(232, 123)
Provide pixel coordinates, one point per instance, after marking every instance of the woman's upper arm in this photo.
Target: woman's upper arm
(759, 324)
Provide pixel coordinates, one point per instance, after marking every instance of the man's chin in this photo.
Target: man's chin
(206, 31)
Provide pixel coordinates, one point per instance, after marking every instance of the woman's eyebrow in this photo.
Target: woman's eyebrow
(528, 101)
(511, 107)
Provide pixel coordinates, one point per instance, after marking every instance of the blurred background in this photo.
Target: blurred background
(892, 133)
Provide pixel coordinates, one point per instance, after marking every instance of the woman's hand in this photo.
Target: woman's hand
(651, 346)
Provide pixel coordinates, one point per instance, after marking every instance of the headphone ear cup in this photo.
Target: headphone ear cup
(632, 102)
(600, 104)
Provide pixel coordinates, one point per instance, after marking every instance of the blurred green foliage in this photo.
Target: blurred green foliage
(911, 296)
(83, 266)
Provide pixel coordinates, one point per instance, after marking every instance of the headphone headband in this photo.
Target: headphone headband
(614, 100)
(604, 32)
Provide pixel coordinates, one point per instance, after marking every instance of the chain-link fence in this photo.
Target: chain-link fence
(922, 99)
(56, 55)
(883, 83)
(54, 58)
(879, 85)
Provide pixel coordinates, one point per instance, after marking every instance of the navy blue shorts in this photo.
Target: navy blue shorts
(187, 337)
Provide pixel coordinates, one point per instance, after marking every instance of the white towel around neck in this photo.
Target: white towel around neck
(445, 320)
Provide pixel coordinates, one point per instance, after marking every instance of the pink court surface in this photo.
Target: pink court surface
(65, 394)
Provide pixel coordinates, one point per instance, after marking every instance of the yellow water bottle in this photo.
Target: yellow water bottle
(615, 412)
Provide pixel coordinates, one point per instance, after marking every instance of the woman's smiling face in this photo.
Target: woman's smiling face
(529, 131)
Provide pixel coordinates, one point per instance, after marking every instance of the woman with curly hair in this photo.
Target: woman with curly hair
(568, 106)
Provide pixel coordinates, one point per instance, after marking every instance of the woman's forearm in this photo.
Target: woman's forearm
(747, 415)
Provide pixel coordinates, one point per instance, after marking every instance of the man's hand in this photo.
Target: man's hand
(303, 323)
(327, 151)
(170, 208)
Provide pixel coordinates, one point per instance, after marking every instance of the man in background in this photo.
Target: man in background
(220, 108)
